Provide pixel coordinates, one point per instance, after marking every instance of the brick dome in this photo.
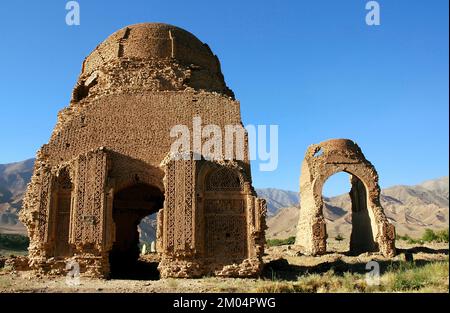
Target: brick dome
(162, 47)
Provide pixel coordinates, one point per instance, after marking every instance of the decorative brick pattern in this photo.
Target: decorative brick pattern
(115, 135)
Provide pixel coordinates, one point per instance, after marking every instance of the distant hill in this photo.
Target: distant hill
(277, 199)
(14, 178)
(410, 208)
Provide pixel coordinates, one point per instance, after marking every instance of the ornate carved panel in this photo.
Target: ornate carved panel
(225, 216)
(179, 205)
(228, 206)
(225, 230)
(90, 198)
(45, 191)
(224, 179)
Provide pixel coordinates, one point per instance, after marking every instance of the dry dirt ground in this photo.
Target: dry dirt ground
(286, 270)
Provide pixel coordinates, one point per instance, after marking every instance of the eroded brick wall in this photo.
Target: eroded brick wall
(133, 89)
(322, 161)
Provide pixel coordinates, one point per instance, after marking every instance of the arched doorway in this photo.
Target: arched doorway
(348, 222)
(371, 229)
(130, 206)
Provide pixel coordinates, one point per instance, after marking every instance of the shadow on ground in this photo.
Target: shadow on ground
(281, 269)
(140, 270)
(423, 250)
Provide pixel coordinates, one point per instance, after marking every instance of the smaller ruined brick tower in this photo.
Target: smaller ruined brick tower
(371, 229)
(108, 164)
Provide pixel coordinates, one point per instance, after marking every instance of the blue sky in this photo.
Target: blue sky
(312, 67)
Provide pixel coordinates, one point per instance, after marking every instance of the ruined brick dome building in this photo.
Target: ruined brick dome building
(152, 56)
(108, 164)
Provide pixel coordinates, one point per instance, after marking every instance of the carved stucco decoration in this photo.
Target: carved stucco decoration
(106, 165)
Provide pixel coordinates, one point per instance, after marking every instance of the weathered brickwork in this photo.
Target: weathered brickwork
(223, 221)
(371, 229)
(107, 165)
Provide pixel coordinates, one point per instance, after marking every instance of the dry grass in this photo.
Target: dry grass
(285, 272)
(402, 277)
(431, 277)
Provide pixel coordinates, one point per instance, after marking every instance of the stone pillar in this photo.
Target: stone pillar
(311, 229)
(36, 214)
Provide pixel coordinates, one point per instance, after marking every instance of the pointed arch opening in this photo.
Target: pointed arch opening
(348, 219)
(130, 206)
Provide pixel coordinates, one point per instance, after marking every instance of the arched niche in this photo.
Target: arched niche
(62, 204)
(223, 214)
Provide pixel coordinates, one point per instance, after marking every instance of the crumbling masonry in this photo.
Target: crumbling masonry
(107, 165)
(371, 231)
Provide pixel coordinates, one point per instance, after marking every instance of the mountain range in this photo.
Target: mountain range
(14, 178)
(410, 208)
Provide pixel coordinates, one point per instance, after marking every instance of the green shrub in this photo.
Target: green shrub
(405, 238)
(429, 235)
(411, 277)
(414, 241)
(281, 242)
(14, 242)
(440, 236)
(409, 240)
